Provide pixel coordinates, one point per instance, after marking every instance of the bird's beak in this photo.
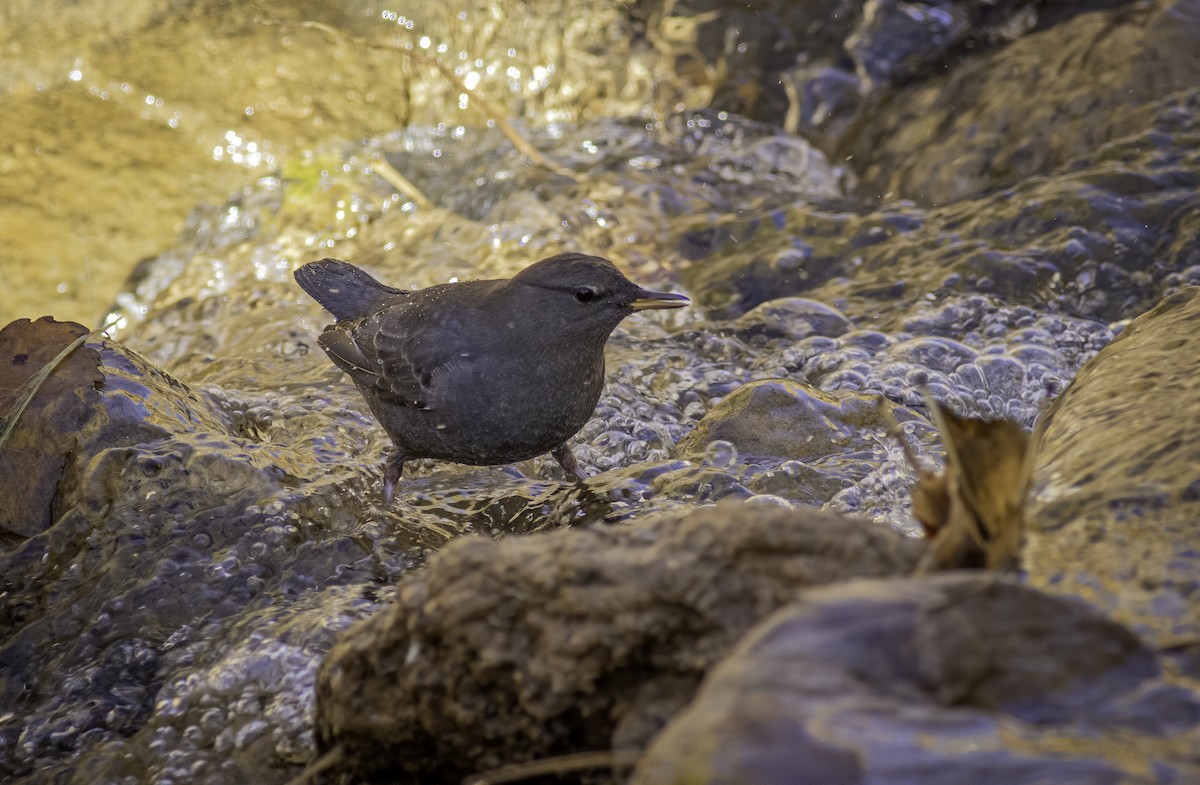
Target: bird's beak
(648, 301)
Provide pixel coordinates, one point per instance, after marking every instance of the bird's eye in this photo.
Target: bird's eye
(585, 294)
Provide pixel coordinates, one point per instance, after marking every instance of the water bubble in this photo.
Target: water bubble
(721, 454)
(212, 720)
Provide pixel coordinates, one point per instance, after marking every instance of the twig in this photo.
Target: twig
(381, 167)
(485, 106)
(321, 764)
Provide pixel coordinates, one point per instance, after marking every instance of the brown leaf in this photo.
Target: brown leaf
(931, 501)
(973, 511)
(44, 433)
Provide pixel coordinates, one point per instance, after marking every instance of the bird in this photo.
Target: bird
(483, 372)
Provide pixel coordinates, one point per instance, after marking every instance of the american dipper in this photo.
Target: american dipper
(480, 372)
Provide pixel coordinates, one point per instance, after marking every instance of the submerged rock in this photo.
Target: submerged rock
(506, 651)
(790, 318)
(956, 679)
(776, 420)
(1115, 514)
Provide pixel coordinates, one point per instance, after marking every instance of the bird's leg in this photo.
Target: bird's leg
(567, 460)
(391, 475)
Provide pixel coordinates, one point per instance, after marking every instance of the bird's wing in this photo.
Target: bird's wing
(398, 378)
(414, 354)
(401, 350)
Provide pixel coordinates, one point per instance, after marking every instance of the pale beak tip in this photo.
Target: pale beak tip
(649, 301)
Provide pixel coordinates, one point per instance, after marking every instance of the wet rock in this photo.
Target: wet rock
(896, 41)
(790, 319)
(1101, 241)
(706, 483)
(823, 101)
(752, 59)
(955, 679)
(163, 524)
(779, 420)
(1114, 513)
(34, 455)
(1030, 107)
(791, 251)
(728, 54)
(242, 710)
(505, 651)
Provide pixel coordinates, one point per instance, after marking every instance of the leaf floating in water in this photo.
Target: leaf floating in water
(973, 510)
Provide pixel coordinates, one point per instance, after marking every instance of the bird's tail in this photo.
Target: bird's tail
(343, 289)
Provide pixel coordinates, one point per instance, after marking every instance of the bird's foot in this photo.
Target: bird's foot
(566, 459)
(391, 475)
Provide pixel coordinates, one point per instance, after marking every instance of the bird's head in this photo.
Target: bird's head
(589, 292)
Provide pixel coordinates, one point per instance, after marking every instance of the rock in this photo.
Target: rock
(1027, 108)
(1066, 239)
(780, 420)
(956, 679)
(506, 651)
(823, 101)
(749, 261)
(1115, 513)
(736, 58)
(790, 319)
(728, 54)
(166, 625)
(145, 520)
(896, 41)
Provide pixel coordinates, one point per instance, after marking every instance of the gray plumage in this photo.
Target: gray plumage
(479, 372)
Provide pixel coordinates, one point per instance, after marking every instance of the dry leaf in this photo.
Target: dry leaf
(44, 400)
(973, 511)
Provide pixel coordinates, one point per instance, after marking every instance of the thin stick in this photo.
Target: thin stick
(563, 764)
(485, 106)
(320, 765)
(401, 183)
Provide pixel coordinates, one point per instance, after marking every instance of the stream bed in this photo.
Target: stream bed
(974, 203)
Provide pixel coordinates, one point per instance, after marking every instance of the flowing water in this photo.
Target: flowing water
(170, 632)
